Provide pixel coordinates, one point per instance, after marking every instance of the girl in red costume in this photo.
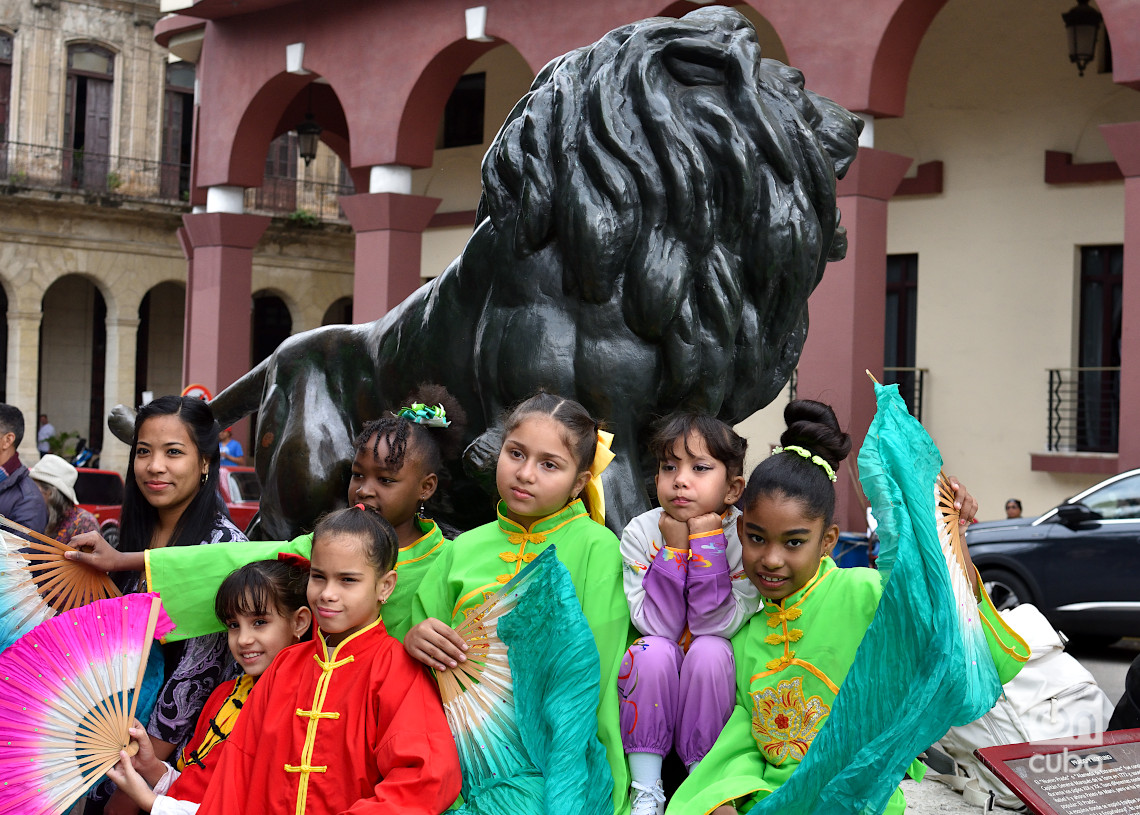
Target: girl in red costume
(264, 609)
(348, 722)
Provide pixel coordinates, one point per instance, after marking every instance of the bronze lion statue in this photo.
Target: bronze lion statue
(655, 212)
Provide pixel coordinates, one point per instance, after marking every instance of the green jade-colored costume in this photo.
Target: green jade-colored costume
(188, 579)
(791, 659)
(481, 561)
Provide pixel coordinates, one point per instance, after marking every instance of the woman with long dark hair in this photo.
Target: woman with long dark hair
(171, 499)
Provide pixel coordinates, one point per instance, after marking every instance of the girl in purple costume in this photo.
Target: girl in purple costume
(687, 594)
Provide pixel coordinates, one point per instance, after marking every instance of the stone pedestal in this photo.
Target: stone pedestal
(218, 292)
(389, 238)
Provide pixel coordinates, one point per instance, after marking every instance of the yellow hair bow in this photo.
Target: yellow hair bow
(594, 493)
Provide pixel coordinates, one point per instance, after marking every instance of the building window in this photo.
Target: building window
(1098, 362)
(899, 337)
(463, 114)
(278, 190)
(87, 116)
(177, 130)
(5, 83)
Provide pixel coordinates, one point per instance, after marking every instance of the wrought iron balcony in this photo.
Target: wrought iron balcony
(26, 167)
(1084, 410)
(39, 167)
(302, 199)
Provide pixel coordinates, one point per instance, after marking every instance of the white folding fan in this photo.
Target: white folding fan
(37, 581)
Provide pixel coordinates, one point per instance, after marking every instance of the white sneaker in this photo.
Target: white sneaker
(647, 800)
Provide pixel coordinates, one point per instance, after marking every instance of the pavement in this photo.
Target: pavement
(1107, 664)
(932, 797)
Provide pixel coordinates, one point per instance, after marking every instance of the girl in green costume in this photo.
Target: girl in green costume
(395, 470)
(552, 452)
(794, 654)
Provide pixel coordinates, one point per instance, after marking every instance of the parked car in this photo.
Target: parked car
(241, 492)
(100, 492)
(1079, 562)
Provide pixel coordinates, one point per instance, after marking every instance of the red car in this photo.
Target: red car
(241, 491)
(100, 492)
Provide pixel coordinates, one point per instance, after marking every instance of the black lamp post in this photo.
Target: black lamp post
(1082, 24)
(308, 134)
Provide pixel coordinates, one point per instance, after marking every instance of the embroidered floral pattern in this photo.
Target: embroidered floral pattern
(783, 723)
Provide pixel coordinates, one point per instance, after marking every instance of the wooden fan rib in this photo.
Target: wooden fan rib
(94, 705)
(52, 590)
(152, 622)
(39, 551)
(100, 662)
(30, 534)
(29, 612)
(950, 518)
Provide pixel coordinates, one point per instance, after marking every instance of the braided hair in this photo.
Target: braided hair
(432, 445)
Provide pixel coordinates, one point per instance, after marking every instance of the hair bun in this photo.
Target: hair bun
(813, 425)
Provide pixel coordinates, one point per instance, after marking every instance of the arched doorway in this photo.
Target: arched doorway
(158, 350)
(73, 348)
(339, 313)
(272, 324)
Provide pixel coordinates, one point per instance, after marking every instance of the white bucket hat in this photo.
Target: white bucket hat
(53, 470)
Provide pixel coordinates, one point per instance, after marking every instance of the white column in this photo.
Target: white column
(225, 199)
(867, 137)
(23, 374)
(118, 385)
(390, 178)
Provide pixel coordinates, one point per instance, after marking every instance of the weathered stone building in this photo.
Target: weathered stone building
(97, 121)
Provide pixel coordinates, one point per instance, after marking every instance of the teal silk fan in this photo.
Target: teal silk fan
(924, 664)
(523, 706)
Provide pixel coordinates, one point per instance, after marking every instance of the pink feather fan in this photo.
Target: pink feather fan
(68, 691)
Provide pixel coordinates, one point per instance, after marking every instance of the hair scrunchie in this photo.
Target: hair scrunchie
(428, 416)
(293, 559)
(594, 493)
(810, 456)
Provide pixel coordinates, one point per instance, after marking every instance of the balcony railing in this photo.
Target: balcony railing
(36, 166)
(304, 198)
(1084, 410)
(39, 167)
(910, 382)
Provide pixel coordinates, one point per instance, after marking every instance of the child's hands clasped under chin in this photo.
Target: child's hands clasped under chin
(136, 775)
(675, 533)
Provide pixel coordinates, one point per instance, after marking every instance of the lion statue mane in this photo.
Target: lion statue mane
(655, 213)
